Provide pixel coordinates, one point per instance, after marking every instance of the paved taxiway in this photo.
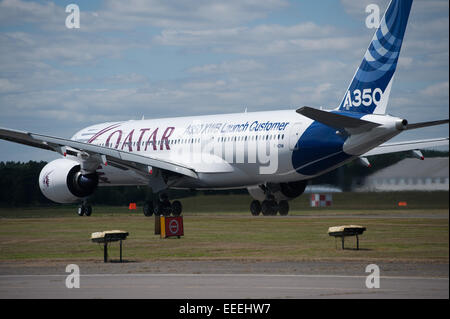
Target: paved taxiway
(227, 286)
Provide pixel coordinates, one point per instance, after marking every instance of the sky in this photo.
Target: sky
(165, 58)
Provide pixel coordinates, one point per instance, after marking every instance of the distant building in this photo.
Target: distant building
(313, 189)
(410, 174)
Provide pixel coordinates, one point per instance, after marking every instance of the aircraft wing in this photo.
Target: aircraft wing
(101, 154)
(407, 146)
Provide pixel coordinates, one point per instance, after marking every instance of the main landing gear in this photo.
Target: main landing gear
(269, 207)
(84, 209)
(163, 207)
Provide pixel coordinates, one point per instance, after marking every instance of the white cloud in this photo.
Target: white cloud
(405, 62)
(228, 67)
(358, 8)
(261, 40)
(204, 85)
(186, 14)
(18, 12)
(438, 90)
(6, 86)
(313, 95)
(128, 78)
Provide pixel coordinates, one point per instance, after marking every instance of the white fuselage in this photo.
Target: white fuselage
(228, 150)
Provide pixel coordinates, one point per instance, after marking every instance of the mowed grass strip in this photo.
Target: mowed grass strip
(235, 236)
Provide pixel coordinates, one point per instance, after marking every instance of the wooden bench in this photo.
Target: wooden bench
(109, 236)
(347, 231)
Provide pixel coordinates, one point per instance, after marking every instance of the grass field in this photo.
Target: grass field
(418, 232)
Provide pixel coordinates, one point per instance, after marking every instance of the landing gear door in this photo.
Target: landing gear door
(294, 136)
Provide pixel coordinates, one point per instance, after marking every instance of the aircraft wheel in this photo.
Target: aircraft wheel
(177, 208)
(80, 210)
(167, 208)
(274, 205)
(163, 208)
(148, 209)
(269, 208)
(255, 208)
(283, 208)
(87, 210)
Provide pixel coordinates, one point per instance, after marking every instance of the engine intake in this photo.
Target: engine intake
(81, 185)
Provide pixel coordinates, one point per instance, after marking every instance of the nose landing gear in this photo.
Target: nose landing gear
(84, 209)
(148, 209)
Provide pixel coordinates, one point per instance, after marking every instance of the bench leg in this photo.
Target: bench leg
(120, 250)
(105, 252)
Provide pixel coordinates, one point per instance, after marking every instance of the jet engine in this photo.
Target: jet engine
(280, 191)
(62, 181)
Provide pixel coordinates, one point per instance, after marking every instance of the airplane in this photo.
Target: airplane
(273, 154)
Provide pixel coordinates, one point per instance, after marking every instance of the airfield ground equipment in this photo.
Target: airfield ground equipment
(109, 236)
(346, 231)
(169, 226)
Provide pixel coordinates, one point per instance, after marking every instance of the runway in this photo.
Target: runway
(220, 286)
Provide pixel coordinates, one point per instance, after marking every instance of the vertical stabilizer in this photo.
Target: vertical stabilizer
(370, 87)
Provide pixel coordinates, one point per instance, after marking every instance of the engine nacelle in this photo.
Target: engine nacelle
(61, 181)
(292, 190)
(281, 191)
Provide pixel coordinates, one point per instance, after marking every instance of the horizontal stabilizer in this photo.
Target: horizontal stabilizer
(407, 146)
(340, 122)
(426, 124)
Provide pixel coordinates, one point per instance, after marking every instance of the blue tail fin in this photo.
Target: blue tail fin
(370, 87)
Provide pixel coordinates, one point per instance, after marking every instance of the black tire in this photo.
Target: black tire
(87, 210)
(269, 208)
(283, 208)
(158, 209)
(167, 208)
(176, 208)
(163, 208)
(80, 210)
(274, 206)
(255, 208)
(148, 209)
